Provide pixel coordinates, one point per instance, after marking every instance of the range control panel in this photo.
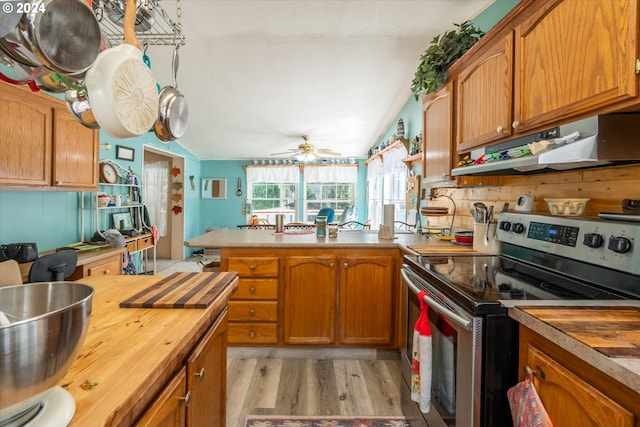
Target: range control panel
(612, 244)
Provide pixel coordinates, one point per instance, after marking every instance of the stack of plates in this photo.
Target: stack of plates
(434, 210)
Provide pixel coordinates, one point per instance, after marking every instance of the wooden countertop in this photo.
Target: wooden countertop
(364, 239)
(578, 328)
(131, 352)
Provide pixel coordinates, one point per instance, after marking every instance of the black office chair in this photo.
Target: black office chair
(54, 267)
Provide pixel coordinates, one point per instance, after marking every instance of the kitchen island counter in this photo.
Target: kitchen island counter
(223, 238)
(130, 354)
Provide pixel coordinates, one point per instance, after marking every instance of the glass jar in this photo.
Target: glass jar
(321, 226)
(332, 227)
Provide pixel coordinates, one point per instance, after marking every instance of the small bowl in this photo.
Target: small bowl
(464, 237)
(567, 207)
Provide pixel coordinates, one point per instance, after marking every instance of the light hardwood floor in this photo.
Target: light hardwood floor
(311, 386)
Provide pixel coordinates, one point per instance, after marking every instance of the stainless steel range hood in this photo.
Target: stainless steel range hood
(603, 140)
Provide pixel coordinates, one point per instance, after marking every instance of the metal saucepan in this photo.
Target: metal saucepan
(173, 110)
(145, 13)
(121, 88)
(79, 107)
(9, 18)
(62, 35)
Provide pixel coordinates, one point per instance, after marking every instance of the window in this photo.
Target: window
(387, 184)
(272, 190)
(329, 186)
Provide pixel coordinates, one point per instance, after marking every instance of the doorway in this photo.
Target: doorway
(157, 192)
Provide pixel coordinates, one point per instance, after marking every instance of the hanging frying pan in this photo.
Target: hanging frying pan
(173, 111)
(62, 35)
(121, 88)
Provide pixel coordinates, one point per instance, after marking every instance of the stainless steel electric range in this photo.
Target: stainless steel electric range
(475, 343)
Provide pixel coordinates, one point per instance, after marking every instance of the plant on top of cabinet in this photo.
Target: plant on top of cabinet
(443, 51)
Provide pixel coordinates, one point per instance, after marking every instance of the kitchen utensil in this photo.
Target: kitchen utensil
(481, 210)
(62, 35)
(79, 107)
(631, 207)
(173, 110)
(49, 321)
(485, 239)
(145, 13)
(121, 88)
(566, 207)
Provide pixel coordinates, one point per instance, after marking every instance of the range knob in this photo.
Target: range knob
(517, 228)
(593, 240)
(620, 245)
(504, 225)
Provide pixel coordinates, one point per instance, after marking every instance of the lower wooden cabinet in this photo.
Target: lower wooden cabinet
(196, 395)
(573, 392)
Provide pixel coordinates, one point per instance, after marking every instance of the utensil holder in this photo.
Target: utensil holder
(494, 245)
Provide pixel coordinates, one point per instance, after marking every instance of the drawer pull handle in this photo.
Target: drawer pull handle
(252, 290)
(107, 271)
(252, 334)
(186, 399)
(252, 312)
(330, 265)
(346, 265)
(252, 267)
(515, 124)
(200, 374)
(500, 129)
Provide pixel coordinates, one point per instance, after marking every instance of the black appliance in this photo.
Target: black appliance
(475, 343)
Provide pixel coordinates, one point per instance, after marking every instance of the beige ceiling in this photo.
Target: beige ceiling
(258, 74)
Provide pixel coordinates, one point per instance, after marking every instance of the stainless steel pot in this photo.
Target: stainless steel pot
(145, 13)
(79, 107)
(173, 110)
(62, 35)
(48, 324)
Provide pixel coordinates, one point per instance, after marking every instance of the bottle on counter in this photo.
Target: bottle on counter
(321, 226)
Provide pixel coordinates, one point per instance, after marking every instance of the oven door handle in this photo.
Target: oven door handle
(439, 308)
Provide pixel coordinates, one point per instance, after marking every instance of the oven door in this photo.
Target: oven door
(456, 358)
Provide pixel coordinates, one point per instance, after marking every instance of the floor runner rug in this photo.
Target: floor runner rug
(325, 421)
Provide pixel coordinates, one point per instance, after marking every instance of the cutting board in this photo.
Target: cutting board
(181, 290)
(613, 331)
(444, 248)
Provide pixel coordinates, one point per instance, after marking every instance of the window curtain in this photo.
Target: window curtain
(331, 173)
(374, 191)
(395, 181)
(156, 182)
(273, 174)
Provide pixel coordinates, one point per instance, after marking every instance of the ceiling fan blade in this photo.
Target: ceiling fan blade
(285, 152)
(328, 152)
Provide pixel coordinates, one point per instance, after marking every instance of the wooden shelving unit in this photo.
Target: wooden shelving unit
(380, 153)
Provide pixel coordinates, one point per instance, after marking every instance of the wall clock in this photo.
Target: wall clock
(108, 173)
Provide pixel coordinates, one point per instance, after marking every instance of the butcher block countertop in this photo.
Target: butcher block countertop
(605, 334)
(130, 353)
(410, 242)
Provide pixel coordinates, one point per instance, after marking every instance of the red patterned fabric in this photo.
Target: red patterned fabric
(527, 409)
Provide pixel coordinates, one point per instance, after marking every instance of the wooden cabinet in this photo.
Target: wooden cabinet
(253, 309)
(107, 265)
(168, 409)
(484, 97)
(572, 57)
(437, 127)
(573, 392)
(365, 302)
(344, 299)
(43, 146)
(310, 298)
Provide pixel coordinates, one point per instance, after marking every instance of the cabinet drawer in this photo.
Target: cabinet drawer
(145, 242)
(254, 266)
(256, 289)
(112, 266)
(253, 333)
(131, 246)
(251, 311)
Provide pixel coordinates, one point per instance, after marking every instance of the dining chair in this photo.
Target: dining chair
(54, 267)
(10, 273)
(403, 226)
(330, 213)
(355, 225)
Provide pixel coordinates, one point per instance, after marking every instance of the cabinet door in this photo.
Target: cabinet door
(484, 97)
(366, 300)
(569, 400)
(437, 113)
(207, 377)
(574, 56)
(25, 138)
(309, 315)
(76, 153)
(168, 409)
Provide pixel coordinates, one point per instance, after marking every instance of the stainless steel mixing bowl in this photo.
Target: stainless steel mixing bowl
(48, 324)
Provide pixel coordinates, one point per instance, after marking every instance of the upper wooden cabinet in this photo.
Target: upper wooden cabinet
(42, 146)
(437, 124)
(545, 64)
(574, 56)
(484, 97)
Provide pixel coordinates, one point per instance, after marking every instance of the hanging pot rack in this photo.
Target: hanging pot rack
(163, 32)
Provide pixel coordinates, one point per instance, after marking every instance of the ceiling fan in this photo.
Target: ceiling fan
(306, 152)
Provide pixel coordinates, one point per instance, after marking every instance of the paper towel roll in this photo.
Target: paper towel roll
(388, 217)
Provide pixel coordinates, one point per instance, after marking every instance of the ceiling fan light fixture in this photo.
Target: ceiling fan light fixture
(305, 157)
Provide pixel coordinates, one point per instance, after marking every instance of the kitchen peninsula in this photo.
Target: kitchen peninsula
(303, 290)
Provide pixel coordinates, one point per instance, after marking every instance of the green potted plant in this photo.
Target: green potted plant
(443, 51)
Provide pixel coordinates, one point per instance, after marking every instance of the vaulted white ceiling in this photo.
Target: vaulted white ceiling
(258, 74)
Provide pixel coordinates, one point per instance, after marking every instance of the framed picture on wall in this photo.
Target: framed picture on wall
(122, 221)
(125, 153)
